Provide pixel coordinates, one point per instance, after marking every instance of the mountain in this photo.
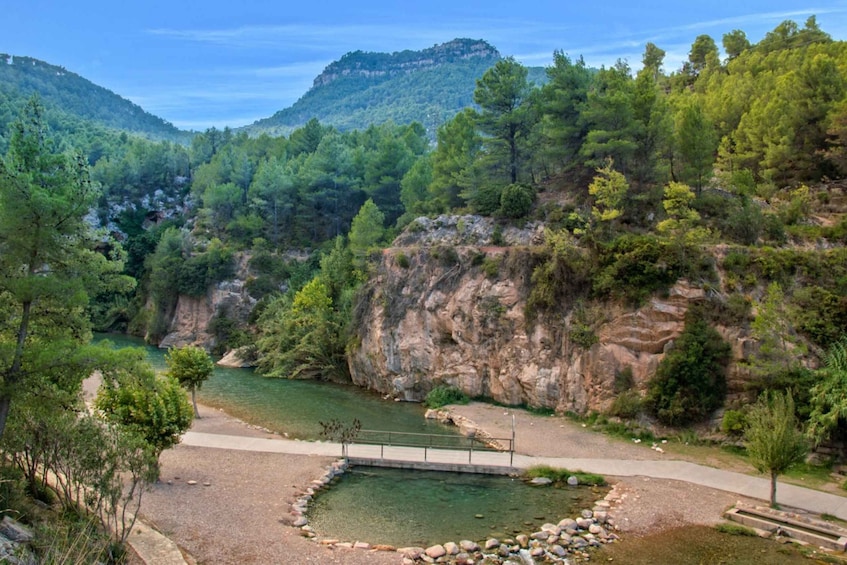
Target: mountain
(76, 97)
(362, 88)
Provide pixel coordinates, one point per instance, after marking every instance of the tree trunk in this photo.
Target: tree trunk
(194, 401)
(5, 403)
(13, 375)
(773, 490)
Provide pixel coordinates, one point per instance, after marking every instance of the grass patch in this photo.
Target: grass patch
(443, 395)
(560, 476)
(735, 529)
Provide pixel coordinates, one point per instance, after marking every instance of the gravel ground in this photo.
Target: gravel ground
(243, 515)
(646, 506)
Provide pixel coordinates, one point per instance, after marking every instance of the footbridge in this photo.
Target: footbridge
(432, 452)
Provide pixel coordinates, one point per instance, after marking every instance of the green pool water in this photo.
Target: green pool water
(421, 508)
(296, 407)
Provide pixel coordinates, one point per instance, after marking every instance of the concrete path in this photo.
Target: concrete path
(739, 483)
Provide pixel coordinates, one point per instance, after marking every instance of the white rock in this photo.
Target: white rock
(436, 551)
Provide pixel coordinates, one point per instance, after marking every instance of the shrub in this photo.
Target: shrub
(446, 255)
(734, 422)
(734, 310)
(486, 200)
(497, 236)
(735, 530)
(690, 382)
(560, 476)
(443, 395)
(627, 405)
(635, 266)
(624, 381)
(516, 201)
(491, 267)
(402, 261)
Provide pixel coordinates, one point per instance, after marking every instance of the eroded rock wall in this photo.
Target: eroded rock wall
(428, 320)
(190, 322)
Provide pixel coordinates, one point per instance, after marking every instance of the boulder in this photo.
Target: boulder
(469, 546)
(13, 530)
(540, 481)
(436, 551)
(238, 358)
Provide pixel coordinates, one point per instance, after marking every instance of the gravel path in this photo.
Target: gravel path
(242, 516)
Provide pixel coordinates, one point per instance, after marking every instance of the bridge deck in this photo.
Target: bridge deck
(433, 459)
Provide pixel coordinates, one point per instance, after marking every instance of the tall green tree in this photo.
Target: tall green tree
(48, 265)
(563, 99)
(454, 170)
(366, 232)
(774, 440)
(609, 116)
(697, 143)
(735, 43)
(501, 93)
(191, 366)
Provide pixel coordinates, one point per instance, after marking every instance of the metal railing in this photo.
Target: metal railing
(384, 438)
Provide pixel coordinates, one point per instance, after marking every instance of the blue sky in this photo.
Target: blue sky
(217, 63)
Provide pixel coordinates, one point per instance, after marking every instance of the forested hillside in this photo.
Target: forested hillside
(727, 173)
(73, 99)
(660, 246)
(360, 89)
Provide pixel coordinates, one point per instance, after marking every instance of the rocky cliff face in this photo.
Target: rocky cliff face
(442, 314)
(369, 65)
(190, 322)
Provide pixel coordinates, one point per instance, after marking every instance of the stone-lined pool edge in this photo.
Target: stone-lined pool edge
(565, 542)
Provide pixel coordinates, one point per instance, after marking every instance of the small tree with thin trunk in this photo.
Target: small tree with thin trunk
(775, 441)
(191, 366)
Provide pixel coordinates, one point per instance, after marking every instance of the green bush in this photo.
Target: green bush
(516, 201)
(735, 529)
(486, 199)
(690, 382)
(734, 310)
(635, 266)
(443, 395)
(402, 261)
(491, 267)
(627, 405)
(560, 476)
(733, 422)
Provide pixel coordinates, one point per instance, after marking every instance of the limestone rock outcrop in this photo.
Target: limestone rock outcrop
(438, 317)
(192, 316)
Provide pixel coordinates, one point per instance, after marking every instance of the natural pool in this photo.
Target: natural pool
(421, 508)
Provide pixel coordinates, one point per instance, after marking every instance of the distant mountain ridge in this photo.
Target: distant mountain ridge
(21, 77)
(362, 88)
(361, 63)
